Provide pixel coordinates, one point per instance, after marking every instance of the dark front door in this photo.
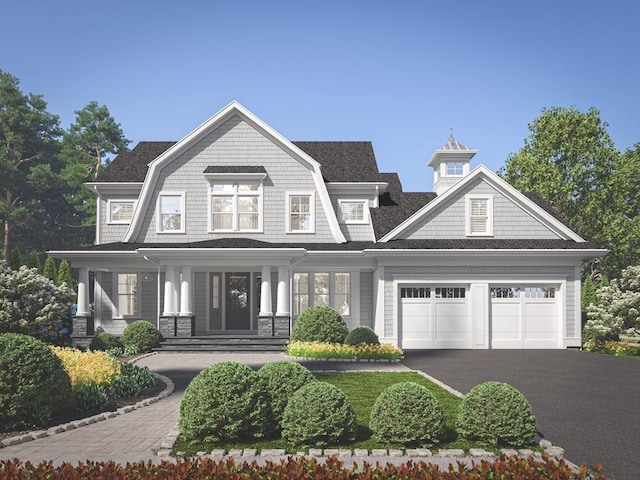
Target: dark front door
(238, 301)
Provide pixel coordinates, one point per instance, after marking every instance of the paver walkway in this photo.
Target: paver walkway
(135, 435)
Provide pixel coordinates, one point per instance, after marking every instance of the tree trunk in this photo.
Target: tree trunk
(5, 245)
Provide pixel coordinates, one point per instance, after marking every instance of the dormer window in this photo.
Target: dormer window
(455, 169)
(353, 211)
(235, 207)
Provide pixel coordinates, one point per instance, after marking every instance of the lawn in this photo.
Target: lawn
(362, 388)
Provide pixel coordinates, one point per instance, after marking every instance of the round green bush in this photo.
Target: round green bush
(280, 380)
(104, 341)
(33, 383)
(224, 401)
(360, 335)
(498, 414)
(318, 414)
(90, 397)
(319, 324)
(143, 334)
(408, 414)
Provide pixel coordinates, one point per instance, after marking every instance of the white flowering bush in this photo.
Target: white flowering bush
(617, 309)
(34, 305)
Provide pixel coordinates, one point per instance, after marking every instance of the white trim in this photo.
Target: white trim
(233, 108)
(361, 188)
(499, 184)
(467, 213)
(312, 211)
(365, 211)
(183, 212)
(110, 201)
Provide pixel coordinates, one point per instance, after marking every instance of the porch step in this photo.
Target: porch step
(224, 343)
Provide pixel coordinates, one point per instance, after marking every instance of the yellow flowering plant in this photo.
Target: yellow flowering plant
(88, 368)
(384, 351)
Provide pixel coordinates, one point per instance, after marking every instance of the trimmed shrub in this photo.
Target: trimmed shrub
(90, 398)
(33, 383)
(319, 324)
(319, 414)
(384, 351)
(360, 335)
(280, 380)
(498, 414)
(144, 335)
(124, 387)
(224, 401)
(408, 414)
(104, 341)
(141, 375)
(88, 368)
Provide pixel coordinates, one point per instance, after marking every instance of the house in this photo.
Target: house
(236, 230)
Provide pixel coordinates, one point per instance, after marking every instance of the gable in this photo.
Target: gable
(449, 220)
(232, 137)
(516, 215)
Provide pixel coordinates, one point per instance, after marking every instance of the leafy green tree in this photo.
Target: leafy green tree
(49, 270)
(604, 281)
(570, 160)
(28, 144)
(15, 259)
(86, 148)
(34, 261)
(64, 274)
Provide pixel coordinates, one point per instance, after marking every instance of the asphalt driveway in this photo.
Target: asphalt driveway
(587, 403)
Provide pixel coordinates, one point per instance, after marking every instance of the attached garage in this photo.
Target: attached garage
(524, 317)
(435, 317)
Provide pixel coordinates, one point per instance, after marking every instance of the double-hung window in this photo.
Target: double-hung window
(127, 294)
(479, 215)
(171, 212)
(235, 207)
(300, 215)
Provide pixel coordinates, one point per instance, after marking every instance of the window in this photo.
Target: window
(127, 294)
(353, 211)
(300, 218)
(455, 292)
(479, 215)
(171, 213)
(121, 211)
(322, 288)
(415, 292)
(540, 292)
(505, 292)
(235, 207)
(454, 169)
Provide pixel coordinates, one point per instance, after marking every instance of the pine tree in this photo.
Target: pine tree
(64, 274)
(34, 261)
(15, 259)
(588, 293)
(50, 269)
(604, 281)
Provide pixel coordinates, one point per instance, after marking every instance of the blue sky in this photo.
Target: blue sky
(398, 73)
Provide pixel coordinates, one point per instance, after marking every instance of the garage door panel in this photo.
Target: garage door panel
(505, 320)
(539, 324)
(452, 322)
(417, 331)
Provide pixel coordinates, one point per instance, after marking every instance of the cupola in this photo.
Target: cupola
(450, 163)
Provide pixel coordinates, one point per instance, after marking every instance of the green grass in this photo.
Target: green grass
(362, 388)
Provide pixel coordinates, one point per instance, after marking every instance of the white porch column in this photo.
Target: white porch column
(169, 291)
(185, 292)
(265, 293)
(83, 292)
(282, 309)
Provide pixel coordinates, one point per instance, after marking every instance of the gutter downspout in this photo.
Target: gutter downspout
(158, 292)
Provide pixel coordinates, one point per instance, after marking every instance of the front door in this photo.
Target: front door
(238, 301)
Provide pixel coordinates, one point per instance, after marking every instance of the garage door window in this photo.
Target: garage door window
(454, 292)
(408, 292)
(529, 292)
(537, 292)
(505, 292)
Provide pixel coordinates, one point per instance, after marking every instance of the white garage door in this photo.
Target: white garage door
(434, 317)
(524, 317)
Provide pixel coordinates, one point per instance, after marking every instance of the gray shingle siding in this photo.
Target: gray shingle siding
(111, 232)
(366, 299)
(235, 143)
(509, 220)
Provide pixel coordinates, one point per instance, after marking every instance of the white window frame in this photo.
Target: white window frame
(489, 220)
(312, 211)
(365, 211)
(311, 291)
(235, 194)
(110, 202)
(116, 293)
(159, 213)
(452, 164)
